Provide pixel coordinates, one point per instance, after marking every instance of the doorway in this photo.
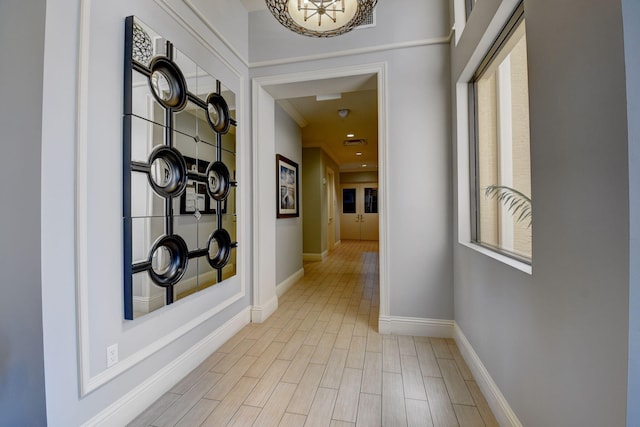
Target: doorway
(359, 212)
(266, 90)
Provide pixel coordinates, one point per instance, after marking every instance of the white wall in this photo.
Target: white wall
(555, 341)
(22, 398)
(418, 163)
(288, 230)
(82, 291)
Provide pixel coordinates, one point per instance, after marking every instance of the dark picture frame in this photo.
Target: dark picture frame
(287, 188)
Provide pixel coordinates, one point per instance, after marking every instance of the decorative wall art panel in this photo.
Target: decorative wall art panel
(179, 169)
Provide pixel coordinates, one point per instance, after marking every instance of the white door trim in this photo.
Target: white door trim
(263, 191)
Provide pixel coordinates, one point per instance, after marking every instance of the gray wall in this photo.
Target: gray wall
(288, 230)
(555, 341)
(22, 395)
(631, 17)
(358, 177)
(312, 173)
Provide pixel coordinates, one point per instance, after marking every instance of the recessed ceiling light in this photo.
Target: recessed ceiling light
(358, 154)
(351, 135)
(364, 166)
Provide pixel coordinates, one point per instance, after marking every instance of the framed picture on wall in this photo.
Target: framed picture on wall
(287, 187)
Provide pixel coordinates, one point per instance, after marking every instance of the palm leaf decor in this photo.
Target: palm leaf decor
(516, 203)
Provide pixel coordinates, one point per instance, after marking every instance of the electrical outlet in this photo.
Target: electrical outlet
(112, 355)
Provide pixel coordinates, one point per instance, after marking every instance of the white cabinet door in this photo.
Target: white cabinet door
(359, 214)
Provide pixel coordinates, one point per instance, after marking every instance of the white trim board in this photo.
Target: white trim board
(130, 405)
(416, 327)
(351, 52)
(287, 283)
(260, 313)
(315, 257)
(173, 11)
(497, 402)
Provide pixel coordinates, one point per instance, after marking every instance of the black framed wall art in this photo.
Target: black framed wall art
(179, 163)
(287, 188)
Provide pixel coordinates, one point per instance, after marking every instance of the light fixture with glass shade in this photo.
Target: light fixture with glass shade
(321, 18)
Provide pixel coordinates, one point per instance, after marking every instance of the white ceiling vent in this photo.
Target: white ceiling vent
(352, 142)
(369, 21)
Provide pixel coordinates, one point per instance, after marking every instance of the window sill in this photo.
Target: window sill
(518, 265)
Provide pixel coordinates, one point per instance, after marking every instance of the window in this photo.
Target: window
(500, 154)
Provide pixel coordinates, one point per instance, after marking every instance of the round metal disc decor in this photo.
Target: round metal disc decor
(168, 258)
(167, 171)
(218, 113)
(321, 18)
(167, 83)
(218, 183)
(219, 249)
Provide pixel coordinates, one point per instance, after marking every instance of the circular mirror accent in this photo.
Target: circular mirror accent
(219, 248)
(169, 258)
(161, 260)
(218, 180)
(160, 83)
(218, 113)
(161, 172)
(168, 171)
(167, 83)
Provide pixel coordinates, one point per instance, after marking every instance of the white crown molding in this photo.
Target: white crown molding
(293, 113)
(350, 52)
(141, 397)
(180, 19)
(499, 405)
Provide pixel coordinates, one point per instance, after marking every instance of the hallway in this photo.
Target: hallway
(319, 361)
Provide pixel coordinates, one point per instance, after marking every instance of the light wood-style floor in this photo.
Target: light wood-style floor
(319, 361)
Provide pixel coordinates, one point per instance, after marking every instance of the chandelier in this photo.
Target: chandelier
(321, 18)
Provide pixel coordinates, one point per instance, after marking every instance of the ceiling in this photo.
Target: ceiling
(252, 5)
(321, 125)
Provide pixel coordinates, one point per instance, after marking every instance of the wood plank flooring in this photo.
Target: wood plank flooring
(319, 361)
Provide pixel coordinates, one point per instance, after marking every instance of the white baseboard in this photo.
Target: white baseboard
(129, 406)
(416, 327)
(148, 304)
(497, 402)
(261, 313)
(315, 257)
(289, 282)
